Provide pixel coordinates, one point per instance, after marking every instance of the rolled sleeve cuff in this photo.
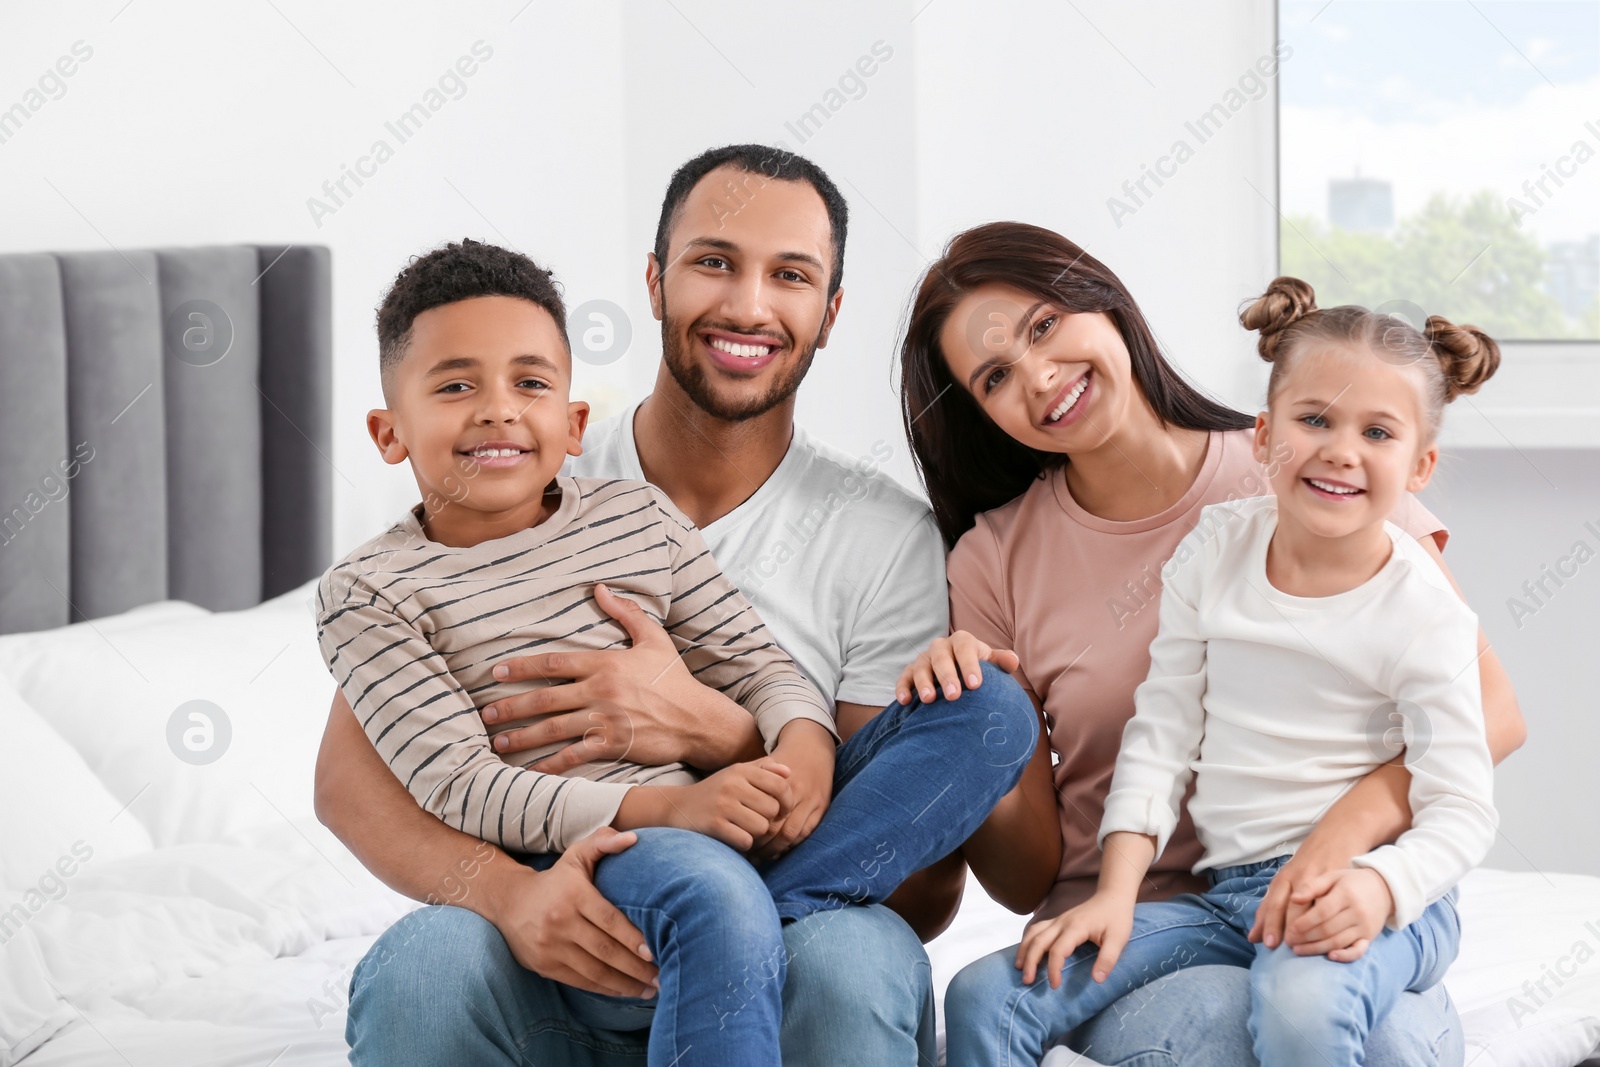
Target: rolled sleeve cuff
(1399, 874)
(771, 723)
(582, 808)
(1137, 812)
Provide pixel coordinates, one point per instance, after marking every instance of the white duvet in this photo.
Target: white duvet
(155, 912)
(197, 954)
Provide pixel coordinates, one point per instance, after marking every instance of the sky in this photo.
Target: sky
(1443, 95)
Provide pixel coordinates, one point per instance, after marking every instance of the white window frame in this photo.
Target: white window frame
(1546, 394)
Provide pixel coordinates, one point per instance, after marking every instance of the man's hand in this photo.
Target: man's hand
(737, 805)
(557, 924)
(948, 663)
(1347, 909)
(1105, 919)
(808, 751)
(639, 703)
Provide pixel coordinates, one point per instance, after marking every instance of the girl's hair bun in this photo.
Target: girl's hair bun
(1286, 301)
(1468, 357)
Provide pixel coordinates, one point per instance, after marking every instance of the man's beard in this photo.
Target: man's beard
(691, 377)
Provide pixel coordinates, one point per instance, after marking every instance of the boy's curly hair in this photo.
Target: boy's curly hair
(460, 272)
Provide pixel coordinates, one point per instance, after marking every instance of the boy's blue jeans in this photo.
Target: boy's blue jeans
(1304, 1009)
(909, 788)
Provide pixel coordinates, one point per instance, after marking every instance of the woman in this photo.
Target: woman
(1065, 459)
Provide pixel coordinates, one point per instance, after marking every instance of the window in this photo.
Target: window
(1445, 156)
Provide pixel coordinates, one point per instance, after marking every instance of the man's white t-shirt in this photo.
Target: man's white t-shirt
(842, 563)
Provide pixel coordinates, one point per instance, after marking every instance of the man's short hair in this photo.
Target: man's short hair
(774, 164)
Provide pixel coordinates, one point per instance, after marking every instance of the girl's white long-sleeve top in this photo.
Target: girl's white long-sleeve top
(1278, 704)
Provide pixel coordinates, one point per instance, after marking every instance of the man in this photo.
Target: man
(844, 566)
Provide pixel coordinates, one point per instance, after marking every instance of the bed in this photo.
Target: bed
(166, 893)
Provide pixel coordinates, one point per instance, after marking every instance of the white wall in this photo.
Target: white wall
(1040, 113)
(199, 123)
(193, 124)
(1518, 517)
(728, 78)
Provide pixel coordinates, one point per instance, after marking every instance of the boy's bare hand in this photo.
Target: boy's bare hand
(737, 805)
(808, 751)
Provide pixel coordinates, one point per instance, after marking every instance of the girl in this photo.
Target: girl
(1061, 518)
(1294, 627)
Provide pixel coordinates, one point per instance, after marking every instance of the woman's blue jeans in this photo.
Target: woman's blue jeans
(1303, 1009)
(909, 788)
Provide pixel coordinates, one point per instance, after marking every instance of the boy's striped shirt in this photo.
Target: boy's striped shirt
(410, 629)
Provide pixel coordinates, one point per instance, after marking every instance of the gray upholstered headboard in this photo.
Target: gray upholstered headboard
(164, 428)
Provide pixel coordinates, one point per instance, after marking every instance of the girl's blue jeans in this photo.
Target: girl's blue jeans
(1303, 1009)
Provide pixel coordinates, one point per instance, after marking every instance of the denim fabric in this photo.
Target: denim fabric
(1303, 1009)
(909, 787)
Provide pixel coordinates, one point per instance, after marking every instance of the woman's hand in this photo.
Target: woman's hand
(948, 662)
(1373, 812)
(1287, 897)
(1348, 910)
(1105, 918)
(1296, 911)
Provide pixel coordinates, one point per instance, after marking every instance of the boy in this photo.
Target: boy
(502, 557)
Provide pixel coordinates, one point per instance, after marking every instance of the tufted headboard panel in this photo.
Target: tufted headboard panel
(164, 428)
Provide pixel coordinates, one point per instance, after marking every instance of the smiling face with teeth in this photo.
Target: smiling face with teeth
(479, 406)
(1348, 435)
(1053, 380)
(743, 299)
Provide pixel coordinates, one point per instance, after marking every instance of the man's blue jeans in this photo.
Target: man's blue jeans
(1200, 1017)
(1304, 1009)
(909, 788)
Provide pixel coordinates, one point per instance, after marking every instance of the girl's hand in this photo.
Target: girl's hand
(947, 663)
(1350, 909)
(1105, 919)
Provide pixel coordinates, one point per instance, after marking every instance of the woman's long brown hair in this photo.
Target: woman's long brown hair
(967, 463)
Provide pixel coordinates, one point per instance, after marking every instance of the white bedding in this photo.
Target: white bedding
(208, 954)
(217, 923)
(1516, 928)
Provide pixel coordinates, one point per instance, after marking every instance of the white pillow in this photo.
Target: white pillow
(121, 691)
(58, 815)
(132, 619)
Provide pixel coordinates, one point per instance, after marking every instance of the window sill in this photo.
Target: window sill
(1545, 395)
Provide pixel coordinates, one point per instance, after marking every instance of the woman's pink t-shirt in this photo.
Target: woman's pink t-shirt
(1078, 597)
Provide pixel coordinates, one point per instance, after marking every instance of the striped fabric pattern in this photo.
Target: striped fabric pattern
(411, 629)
